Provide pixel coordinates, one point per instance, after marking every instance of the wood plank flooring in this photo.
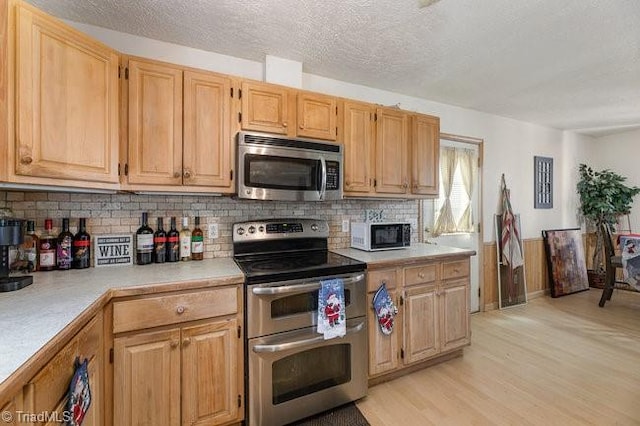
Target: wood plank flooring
(558, 361)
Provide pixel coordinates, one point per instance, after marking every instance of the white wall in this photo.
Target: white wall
(509, 144)
(620, 153)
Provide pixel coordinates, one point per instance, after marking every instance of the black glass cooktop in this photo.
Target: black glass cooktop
(261, 268)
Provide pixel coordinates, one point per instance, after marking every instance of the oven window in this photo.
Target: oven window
(274, 172)
(304, 373)
(300, 304)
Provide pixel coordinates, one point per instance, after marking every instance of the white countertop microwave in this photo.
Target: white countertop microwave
(374, 236)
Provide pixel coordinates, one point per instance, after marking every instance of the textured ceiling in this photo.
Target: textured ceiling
(568, 64)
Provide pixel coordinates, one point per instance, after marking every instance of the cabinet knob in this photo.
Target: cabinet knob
(415, 186)
(26, 160)
(180, 310)
(301, 126)
(187, 174)
(421, 275)
(176, 175)
(285, 124)
(173, 344)
(348, 183)
(404, 185)
(186, 341)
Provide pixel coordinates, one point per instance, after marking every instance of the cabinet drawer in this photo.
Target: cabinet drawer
(50, 385)
(150, 312)
(420, 274)
(456, 269)
(376, 278)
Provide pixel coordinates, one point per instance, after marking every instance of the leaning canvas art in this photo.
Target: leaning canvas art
(565, 261)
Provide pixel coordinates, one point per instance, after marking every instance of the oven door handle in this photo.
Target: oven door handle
(301, 343)
(297, 288)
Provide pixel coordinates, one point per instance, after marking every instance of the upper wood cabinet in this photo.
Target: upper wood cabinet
(276, 109)
(66, 103)
(207, 142)
(425, 154)
(179, 130)
(392, 142)
(155, 123)
(358, 140)
(317, 116)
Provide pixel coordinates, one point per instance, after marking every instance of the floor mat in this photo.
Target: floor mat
(345, 415)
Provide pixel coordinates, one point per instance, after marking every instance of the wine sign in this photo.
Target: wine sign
(112, 250)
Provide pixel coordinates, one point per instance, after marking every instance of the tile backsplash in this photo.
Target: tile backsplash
(120, 213)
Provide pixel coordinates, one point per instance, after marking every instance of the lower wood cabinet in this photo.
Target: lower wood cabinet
(14, 407)
(433, 314)
(185, 373)
(47, 391)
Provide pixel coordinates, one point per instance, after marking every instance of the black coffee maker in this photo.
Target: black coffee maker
(11, 234)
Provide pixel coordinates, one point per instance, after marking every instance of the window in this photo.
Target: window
(452, 212)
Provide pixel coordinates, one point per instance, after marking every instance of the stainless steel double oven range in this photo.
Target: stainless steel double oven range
(292, 371)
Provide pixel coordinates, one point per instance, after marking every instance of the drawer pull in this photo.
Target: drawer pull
(421, 275)
(186, 342)
(26, 160)
(180, 310)
(173, 344)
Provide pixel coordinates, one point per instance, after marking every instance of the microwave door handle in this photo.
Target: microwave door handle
(323, 178)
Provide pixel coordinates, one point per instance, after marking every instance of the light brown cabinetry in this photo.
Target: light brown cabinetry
(66, 97)
(433, 314)
(178, 358)
(14, 407)
(357, 136)
(47, 391)
(179, 127)
(395, 154)
(276, 109)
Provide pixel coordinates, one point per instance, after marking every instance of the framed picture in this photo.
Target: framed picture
(565, 261)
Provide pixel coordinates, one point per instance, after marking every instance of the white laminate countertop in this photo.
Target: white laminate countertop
(417, 251)
(32, 316)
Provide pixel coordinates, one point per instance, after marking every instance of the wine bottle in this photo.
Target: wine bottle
(160, 243)
(82, 246)
(185, 240)
(48, 244)
(197, 241)
(65, 239)
(144, 242)
(30, 246)
(173, 242)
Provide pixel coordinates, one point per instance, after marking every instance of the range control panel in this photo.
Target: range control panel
(276, 229)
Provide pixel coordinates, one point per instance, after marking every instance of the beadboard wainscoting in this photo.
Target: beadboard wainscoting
(120, 213)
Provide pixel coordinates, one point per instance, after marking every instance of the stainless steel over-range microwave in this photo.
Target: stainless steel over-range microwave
(274, 167)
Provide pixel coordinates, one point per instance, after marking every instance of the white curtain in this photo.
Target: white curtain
(445, 221)
(468, 164)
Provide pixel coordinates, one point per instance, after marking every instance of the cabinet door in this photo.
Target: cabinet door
(146, 379)
(391, 151)
(66, 100)
(358, 146)
(425, 148)
(207, 136)
(454, 306)
(265, 108)
(317, 116)
(210, 373)
(420, 324)
(14, 406)
(155, 123)
(383, 348)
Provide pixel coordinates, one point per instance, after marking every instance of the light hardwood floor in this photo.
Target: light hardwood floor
(558, 361)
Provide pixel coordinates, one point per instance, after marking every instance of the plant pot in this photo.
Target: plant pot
(596, 279)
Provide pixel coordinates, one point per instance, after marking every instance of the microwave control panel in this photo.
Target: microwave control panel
(333, 175)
